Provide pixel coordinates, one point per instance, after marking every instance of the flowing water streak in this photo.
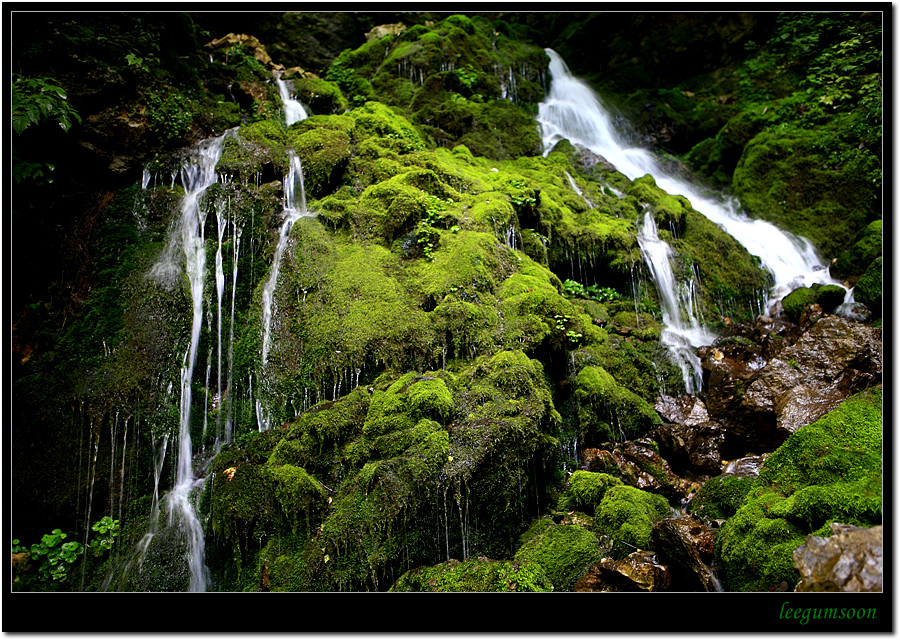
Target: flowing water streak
(197, 175)
(683, 330)
(293, 110)
(572, 111)
(294, 209)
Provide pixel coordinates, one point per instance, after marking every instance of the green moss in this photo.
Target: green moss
(867, 246)
(788, 176)
(868, 289)
(475, 576)
(585, 490)
(607, 411)
(321, 96)
(827, 296)
(324, 154)
(565, 552)
(828, 471)
(627, 515)
(720, 497)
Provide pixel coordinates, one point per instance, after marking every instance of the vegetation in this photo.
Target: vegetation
(454, 324)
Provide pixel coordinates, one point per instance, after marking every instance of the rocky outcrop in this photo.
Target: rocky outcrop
(762, 392)
(685, 545)
(849, 560)
(639, 571)
(638, 465)
(691, 442)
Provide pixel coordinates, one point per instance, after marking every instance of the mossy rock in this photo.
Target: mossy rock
(867, 246)
(627, 515)
(868, 289)
(828, 471)
(607, 411)
(586, 489)
(321, 96)
(787, 176)
(324, 153)
(826, 296)
(565, 552)
(720, 497)
(475, 575)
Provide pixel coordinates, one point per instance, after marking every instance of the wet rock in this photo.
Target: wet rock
(762, 392)
(685, 545)
(376, 33)
(691, 450)
(849, 560)
(251, 43)
(747, 467)
(639, 571)
(686, 410)
(638, 465)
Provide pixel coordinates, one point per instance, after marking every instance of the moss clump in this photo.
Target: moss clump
(586, 489)
(826, 296)
(607, 411)
(321, 96)
(865, 249)
(828, 471)
(475, 576)
(720, 497)
(565, 552)
(868, 289)
(627, 515)
(324, 153)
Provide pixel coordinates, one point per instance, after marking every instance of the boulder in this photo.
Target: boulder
(378, 32)
(849, 560)
(639, 571)
(638, 465)
(685, 545)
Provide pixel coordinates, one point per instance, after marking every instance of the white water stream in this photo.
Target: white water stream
(294, 209)
(572, 111)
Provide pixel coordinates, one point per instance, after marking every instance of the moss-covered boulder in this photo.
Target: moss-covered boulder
(869, 288)
(627, 515)
(720, 497)
(866, 247)
(608, 412)
(828, 471)
(826, 296)
(586, 489)
(475, 575)
(564, 551)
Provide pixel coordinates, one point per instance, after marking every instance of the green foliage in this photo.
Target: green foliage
(55, 556)
(573, 289)
(35, 100)
(107, 529)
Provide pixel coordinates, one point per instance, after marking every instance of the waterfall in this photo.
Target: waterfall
(293, 110)
(683, 330)
(198, 173)
(573, 111)
(294, 209)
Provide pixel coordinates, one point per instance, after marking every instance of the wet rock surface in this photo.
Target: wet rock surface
(685, 545)
(768, 380)
(639, 571)
(849, 560)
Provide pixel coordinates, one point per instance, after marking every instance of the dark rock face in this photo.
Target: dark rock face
(850, 560)
(685, 545)
(762, 392)
(639, 571)
(693, 443)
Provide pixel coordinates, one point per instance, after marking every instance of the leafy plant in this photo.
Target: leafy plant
(35, 100)
(573, 289)
(55, 555)
(107, 529)
(427, 236)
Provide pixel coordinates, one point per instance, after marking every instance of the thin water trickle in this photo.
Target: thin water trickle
(294, 209)
(293, 110)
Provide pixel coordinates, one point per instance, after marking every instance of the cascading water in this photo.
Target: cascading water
(293, 110)
(198, 173)
(294, 209)
(573, 111)
(683, 330)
